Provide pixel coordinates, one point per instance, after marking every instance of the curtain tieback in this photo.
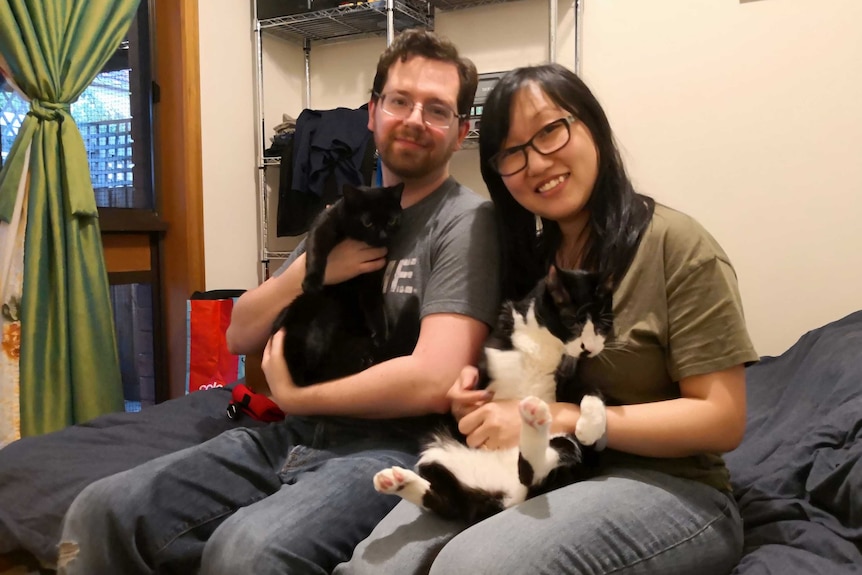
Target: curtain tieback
(48, 111)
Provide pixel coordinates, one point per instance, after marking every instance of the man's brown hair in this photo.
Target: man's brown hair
(419, 42)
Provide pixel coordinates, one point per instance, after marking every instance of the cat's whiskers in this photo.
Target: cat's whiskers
(616, 347)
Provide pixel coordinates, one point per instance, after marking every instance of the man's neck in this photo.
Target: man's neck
(416, 189)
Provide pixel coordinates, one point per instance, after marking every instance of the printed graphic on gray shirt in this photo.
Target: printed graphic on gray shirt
(399, 277)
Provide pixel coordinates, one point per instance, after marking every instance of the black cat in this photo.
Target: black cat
(337, 330)
(531, 355)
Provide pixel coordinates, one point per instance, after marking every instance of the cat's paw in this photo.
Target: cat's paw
(312, 284)
(535, 412)
(593, 422)
(403, 483)
(392, 479)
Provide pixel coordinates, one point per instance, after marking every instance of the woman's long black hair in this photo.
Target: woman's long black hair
(618, 214)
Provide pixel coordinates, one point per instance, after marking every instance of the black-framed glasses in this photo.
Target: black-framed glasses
(434, 114)
(549, 139)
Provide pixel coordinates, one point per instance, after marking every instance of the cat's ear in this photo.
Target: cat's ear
(350, 193)
(556, 288)
(604, 286)
(397, 190)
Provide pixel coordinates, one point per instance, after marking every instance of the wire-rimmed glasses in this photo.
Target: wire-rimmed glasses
(435, 114)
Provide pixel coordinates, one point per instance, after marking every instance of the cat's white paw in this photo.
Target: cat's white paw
(593, 422)
(392, 479)
(535, 412)
(402, 482)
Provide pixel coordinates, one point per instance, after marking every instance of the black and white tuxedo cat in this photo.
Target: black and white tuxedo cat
(531, 355)
(336, 330)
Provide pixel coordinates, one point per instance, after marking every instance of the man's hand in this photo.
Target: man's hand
(462, 395)
(277, 374)
(350, 258)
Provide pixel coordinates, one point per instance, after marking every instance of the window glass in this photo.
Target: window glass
(117, 143)
(133, 318)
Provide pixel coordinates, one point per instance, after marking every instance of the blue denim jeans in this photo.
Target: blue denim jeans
(629, 522)
(291, 497)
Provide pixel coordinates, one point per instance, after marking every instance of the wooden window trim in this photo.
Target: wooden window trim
(113, 220)
(178, 171)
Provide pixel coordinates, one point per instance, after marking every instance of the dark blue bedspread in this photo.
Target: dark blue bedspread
(40, 476)
(798, 473)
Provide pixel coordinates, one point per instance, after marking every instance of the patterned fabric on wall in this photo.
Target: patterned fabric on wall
(11, 288)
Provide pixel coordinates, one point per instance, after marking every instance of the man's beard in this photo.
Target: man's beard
(413, 166)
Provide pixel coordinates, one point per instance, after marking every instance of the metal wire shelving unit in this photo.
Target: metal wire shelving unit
(350, 20)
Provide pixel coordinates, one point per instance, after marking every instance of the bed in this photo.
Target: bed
(797, 475)
(40, 476)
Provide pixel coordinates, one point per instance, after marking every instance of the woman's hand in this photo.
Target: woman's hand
(487, 424)
(274, 367)
(462, 395)
(350, 258)
(495, 425)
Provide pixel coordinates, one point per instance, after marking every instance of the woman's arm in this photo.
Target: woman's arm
(708, 418)
(405, 386)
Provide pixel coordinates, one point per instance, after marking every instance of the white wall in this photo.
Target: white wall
(227, 133)
(748, 117)
(744, 115)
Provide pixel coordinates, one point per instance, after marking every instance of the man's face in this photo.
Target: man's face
(410, 148)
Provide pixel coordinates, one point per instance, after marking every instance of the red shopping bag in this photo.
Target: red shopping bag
(208, 362)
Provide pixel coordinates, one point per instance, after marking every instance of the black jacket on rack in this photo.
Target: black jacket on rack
(329, 148)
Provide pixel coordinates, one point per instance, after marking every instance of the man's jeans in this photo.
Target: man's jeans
(292, 497)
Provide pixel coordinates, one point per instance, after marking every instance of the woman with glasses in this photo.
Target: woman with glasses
(673, 372)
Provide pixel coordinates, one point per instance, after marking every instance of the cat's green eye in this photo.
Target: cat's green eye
(366, 221)
(394, 220)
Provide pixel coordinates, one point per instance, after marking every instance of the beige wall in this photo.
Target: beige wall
(744, 115)
(227, 133)
(747, 116)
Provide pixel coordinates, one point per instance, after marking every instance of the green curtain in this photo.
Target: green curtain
(69, 368)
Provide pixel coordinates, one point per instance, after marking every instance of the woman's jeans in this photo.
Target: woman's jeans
(628, 522)
(292, 497)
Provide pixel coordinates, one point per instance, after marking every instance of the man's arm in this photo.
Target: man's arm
(255, 311)
(401, 387)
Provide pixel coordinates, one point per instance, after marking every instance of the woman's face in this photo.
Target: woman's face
(556, 186)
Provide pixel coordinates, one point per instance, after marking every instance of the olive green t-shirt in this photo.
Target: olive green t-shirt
(677, 313)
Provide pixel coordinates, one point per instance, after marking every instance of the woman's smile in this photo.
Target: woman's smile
(552, 185)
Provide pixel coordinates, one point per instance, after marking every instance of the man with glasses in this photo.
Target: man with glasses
(297, 496)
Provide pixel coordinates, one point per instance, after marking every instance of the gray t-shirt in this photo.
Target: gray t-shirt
(444, 259)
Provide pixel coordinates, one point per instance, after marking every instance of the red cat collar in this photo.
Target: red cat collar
(255, 405)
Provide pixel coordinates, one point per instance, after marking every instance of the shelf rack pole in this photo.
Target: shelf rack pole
(306, 49)
(257, 34)
(579, 35)
(390, 22)
(552, 35)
